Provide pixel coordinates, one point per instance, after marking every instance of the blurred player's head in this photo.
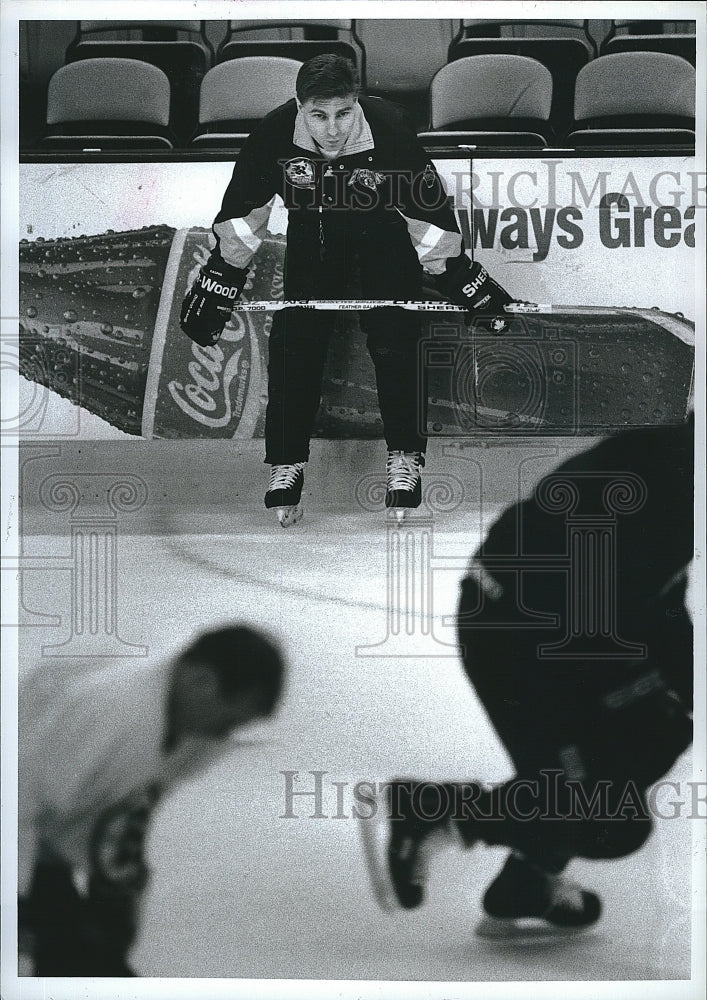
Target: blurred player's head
(327, 95)
(226, 678)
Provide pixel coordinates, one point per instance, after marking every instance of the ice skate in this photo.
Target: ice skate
(525, 902)
(284, 492)
(403, 487)
(406, 827)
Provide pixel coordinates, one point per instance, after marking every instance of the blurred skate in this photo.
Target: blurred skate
(408, 826)
(525, 902)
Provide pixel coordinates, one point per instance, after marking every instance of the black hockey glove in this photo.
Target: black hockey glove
(209, 302)
(470, 286)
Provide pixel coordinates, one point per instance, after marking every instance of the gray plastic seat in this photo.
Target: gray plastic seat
(238, 93)
(635, 99)
(91, 37)
(403, 55)
(109, 104)
(335, 25)
(563, 46)
(528, 28)
(296, 38)
(179, 48)
(490, 100)
(672, 37)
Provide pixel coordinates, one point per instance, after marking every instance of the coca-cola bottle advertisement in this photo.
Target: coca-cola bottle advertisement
(99, 325)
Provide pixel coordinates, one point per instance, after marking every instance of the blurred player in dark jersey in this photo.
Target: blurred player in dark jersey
(573, 629)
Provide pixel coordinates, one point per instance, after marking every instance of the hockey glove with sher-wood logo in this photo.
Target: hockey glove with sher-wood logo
(469, 285)
(209, 302)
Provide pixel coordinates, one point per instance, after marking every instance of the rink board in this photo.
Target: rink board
(607, 243)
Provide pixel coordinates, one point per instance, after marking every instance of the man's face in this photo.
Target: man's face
(329, 120)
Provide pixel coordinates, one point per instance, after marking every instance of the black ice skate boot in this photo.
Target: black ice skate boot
(284, 492)
(409, 825)
(524, 901)
(403, 487)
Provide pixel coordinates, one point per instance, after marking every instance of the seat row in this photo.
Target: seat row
(565, 47)
(184, 52)
(391, 43)
(396, 58)
(623, 100)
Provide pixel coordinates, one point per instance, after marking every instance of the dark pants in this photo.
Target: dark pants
(582, 767)
(584, 729)
(73, 935)
(371, 261)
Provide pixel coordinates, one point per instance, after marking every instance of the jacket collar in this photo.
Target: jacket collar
(360, 138)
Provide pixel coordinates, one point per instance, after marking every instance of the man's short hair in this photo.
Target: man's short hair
(243, 660)
(326, 76)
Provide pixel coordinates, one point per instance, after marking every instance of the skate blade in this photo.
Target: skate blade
(520, 930)
(287, 516)
(374, 840)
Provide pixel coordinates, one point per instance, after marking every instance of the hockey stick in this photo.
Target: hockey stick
(354, 305)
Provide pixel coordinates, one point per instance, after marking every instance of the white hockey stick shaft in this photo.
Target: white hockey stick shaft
(354, 305)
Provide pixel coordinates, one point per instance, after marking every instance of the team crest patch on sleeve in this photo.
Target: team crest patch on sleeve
(367, 178)
(300, 172)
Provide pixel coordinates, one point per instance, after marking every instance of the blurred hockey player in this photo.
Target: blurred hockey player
(590, 716)
(364, 203)
(96, 752)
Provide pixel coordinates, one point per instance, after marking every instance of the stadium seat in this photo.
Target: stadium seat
(236, 94)
(564, 47)
(305, 38)
(108, 104)
(179, 48)
(673, 37)
(402, 56)
(290, 29)
(635, 99)
(490, 100)
(169, 30)
(528, 28)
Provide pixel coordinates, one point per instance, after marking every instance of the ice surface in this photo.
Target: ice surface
(238, 890)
